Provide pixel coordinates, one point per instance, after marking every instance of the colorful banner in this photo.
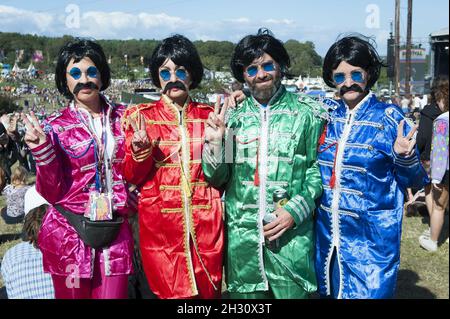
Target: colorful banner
(38, 56)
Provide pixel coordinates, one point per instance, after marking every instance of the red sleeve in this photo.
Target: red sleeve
(137, 165)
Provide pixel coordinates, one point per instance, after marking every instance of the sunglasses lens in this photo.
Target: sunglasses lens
(268, 67)
(165, 75)
(357, 76)
(339, 78)
(75, 73)
(92, 72)
(181, 74)
(252, 70)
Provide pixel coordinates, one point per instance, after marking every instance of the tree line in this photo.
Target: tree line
(215, 55)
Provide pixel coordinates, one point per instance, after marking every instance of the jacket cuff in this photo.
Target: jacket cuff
(211, 155)
(141, 155)
(44, 154)
(406, 161)
(299, 208)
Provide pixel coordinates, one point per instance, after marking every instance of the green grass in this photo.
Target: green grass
(10, 230)
(422, 274)
(7, 230)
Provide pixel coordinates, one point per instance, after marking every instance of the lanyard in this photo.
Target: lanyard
(99, 149)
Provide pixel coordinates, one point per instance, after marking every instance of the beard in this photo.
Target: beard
(266, 93)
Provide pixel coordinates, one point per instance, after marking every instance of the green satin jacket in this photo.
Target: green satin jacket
(266, 149)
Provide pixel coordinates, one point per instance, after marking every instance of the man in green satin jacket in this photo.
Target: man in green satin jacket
(267, 144)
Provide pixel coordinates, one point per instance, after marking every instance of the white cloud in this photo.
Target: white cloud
(162, 19)
(283, 21)
(145, 25)
(18, 20)
(238, 21)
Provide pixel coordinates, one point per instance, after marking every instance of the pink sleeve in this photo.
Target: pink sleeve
(49, 177)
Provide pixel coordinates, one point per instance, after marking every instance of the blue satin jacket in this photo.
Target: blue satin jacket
(359, 216)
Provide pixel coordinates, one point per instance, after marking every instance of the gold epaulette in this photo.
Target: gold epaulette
(132, 113)
(205, 106)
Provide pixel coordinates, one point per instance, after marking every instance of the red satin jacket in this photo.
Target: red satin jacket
(180, 215)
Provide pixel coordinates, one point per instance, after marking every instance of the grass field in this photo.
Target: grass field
(422, 275)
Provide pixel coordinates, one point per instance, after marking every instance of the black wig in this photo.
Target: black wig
(183, 53)
(356, 50)
(254, 46)
(77, 50)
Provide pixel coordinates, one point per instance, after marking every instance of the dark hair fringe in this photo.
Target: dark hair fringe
(439, 88)
(183, 53)
(77, 50)
(357, 50)
(252, 47)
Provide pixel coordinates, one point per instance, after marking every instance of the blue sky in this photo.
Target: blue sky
(318, 21)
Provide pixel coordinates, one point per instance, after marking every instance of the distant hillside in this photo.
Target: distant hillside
(214, 54)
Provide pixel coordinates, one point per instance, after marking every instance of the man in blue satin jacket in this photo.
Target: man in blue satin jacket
(367, 158)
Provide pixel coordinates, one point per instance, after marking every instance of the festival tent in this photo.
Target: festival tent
(31, 69)
(16, 69)
(299, 83)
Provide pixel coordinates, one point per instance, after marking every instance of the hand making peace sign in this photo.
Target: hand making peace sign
(34, 135)
(215, 125)
(140, 140)
(404, 144)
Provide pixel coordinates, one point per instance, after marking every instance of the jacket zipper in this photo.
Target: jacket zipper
(263, 181)
(335, 201)
(185, 163)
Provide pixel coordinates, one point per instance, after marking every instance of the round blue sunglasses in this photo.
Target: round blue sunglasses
(165, 74)
(252, 70)
(356, 76)
(91, 72)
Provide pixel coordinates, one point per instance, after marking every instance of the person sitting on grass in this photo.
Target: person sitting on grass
(22, 270)
(15, 192)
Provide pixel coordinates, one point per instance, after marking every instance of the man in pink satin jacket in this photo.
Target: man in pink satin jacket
(79, 151)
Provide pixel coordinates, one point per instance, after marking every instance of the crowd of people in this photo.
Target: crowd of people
(289, 195)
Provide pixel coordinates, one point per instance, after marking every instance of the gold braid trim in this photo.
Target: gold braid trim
(161, 122)
(142, 155)
(172, 187)
(166, 165)
(194, 240)
(171, 210)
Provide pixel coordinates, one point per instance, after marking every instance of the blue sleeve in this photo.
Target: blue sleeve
(408, 170)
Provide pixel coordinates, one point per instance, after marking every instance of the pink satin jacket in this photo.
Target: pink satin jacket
(65, 175)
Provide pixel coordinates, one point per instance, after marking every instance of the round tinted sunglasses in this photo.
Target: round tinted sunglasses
(165, 74)
(91, 72)
(252, 70)
(356, 76)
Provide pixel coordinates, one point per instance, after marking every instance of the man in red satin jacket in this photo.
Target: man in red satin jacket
(180, 215)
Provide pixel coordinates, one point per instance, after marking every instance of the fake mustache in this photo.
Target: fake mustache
(353, 87)
(87, 85)
(174, 85)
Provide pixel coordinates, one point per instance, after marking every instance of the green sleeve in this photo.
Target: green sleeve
(215, 169)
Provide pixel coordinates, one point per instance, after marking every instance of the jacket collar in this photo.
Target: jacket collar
(360, 108)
